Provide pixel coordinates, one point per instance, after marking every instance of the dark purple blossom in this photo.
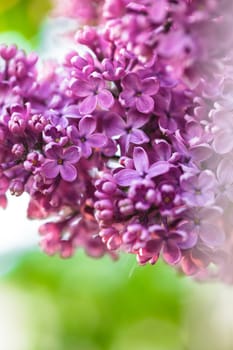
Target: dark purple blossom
(168, 242)
(142, 194)
(167, 197)
(198, 190)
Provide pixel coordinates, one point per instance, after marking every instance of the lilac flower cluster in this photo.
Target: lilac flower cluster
(119, 143)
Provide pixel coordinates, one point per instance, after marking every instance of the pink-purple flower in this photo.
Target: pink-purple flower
(61, 162)
(127, 144)
(138, 92)
(93, 93)
(85, 136)
(143, 169)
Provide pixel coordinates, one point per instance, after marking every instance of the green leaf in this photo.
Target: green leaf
(24, 16)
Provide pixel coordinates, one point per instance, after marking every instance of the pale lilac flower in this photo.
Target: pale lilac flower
(206, 224)
(225, 180)
(223, 130)
(198, 190)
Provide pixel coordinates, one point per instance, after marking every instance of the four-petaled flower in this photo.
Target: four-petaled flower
(169, 242)
(94, 93)
(61, 161)
(84, 136)
(198, 190)
(206, 224)
(138, 93)
(143, 169)
(129, 130)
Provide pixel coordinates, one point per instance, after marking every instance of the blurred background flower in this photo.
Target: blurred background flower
(85, 304)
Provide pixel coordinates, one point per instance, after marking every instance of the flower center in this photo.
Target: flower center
(197, 191)
(167, 200)
(197, 221)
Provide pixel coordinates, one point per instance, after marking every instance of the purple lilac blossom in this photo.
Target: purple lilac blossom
(60, 161)
(128, 145)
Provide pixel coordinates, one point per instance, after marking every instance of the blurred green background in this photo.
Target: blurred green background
(85, 304)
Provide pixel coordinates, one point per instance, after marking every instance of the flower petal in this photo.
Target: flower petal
(171, 252)
(81, 88)
(225, 171)
(162, 149)
(50, 169)
(53, 151)
(223, 142)
(144, 104)
(72, 112)
(105, 99)
(131, 82)
(126, 176)
(138, 137)
(87, 125)
(206, 180)
(114, 125)
(158, 168)
(72, 154)
(211, 234)
(153, 246)
(68, 172)
(141, 161)
(86, 149)
(136, 119)
(88, 105)
(73, 134)
(201, 152)
(128, 98)
(97, 140)
(150, 86)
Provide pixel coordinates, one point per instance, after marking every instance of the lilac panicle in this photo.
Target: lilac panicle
(128, 142)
